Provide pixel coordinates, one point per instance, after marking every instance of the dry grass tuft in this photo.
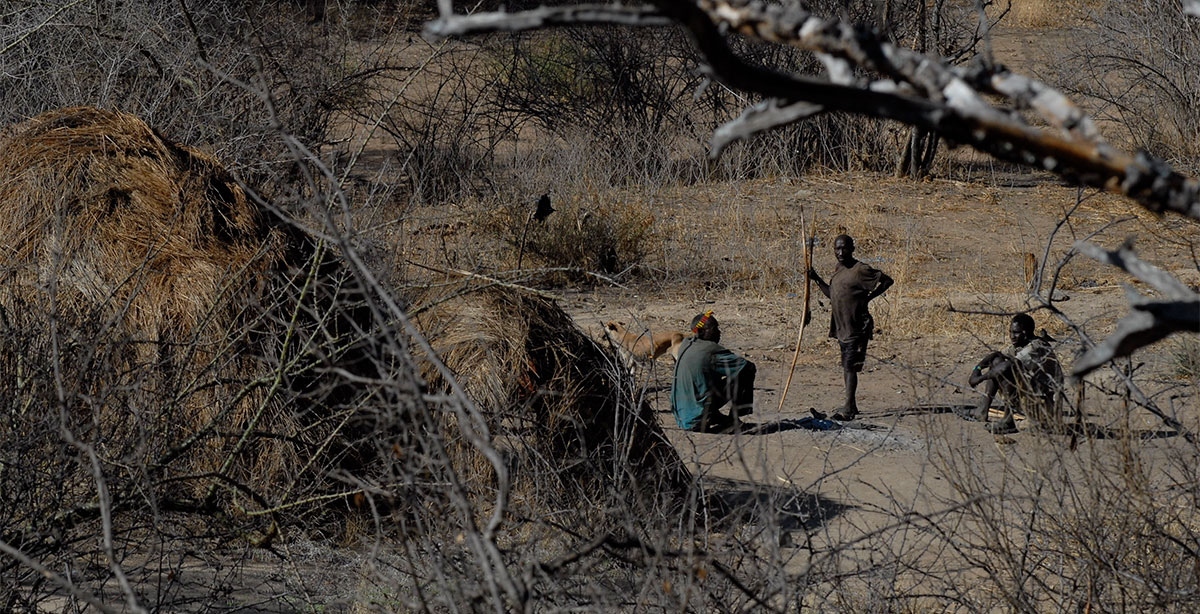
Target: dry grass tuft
(589, 230)
(1049, 13)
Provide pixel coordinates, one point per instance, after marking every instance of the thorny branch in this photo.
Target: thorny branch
(912, 88)
(1149, 319)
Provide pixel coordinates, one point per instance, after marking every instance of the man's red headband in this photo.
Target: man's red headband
(703, 320)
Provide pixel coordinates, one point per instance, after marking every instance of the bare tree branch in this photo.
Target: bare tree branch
(757, 118)
(839, 70)
(1125, 259)
(1150, 320)
(456, 25)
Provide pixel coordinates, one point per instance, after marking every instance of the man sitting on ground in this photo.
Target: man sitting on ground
(706, 377)
(1027, 375)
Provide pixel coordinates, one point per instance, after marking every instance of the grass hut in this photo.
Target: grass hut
(560, 408)
(206, 352)
(148, 310)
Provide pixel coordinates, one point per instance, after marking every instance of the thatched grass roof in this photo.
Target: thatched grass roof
(561, 407)
(103, 212)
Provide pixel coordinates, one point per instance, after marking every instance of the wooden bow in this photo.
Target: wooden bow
(810, 235)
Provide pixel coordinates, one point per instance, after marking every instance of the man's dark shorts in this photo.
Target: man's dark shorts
(854, 354)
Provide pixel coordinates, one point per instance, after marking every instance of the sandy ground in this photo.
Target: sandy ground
(891, 461)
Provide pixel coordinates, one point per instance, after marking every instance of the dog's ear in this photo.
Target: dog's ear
(611, 325)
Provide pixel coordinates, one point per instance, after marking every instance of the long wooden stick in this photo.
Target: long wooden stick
(809, 235)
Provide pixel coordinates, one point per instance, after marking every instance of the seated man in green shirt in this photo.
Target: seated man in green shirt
(706, 377)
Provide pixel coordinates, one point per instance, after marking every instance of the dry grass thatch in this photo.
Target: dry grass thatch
(105, 213)
(558, 405)
(139, 278)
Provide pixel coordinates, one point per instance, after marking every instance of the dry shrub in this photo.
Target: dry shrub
(1184, 355)
(1046, 13)
(590, 231)
(1133, 63)
(156, 308)
(1107, 527)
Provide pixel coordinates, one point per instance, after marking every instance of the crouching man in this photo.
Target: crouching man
(1027, 375)
(707, 376)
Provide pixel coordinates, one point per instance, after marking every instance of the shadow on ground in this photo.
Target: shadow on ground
(933, 408)
(1072, 426)
(1091, 430)
(735, 503)
(791, 424)
(813, 424)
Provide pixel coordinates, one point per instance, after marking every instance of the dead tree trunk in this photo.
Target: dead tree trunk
(916, 158)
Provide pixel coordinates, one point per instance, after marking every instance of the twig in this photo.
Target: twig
(449, 24)
(524, 232)
(34, 29)
(766, 115)
(1149, 320)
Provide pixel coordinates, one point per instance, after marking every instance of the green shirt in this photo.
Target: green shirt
(701, 372)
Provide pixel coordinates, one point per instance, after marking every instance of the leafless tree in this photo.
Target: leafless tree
(1132, 64)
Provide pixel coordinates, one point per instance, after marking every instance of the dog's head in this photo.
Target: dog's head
(615, 326)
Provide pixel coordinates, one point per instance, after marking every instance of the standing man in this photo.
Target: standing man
(706, 377)
(852, 285)
(1027, 374)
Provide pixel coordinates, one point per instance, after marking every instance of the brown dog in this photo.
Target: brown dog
(643, 347)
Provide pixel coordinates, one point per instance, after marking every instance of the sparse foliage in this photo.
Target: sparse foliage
(1134, 61)
(589, 234)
